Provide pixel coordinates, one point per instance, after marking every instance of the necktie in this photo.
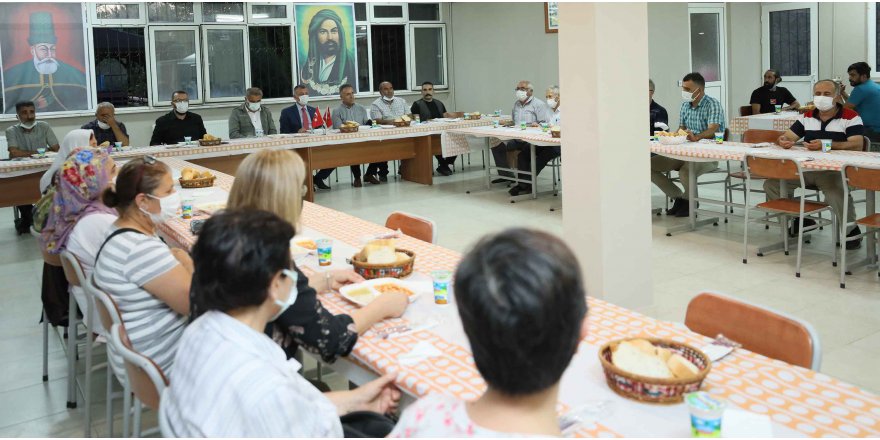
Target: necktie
(305, 118)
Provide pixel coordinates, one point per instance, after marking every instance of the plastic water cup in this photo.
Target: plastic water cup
(522, 125)
(826, 145)
(495, 124)
(187, 139)
(706, 413)
(656, 137)
(118, 145)
(259, 133)
(719, 137)
(186, 206)
(778, 108)
(498, 112)
(41, 151)
(545, 127)
(325, 251)
(441, 286)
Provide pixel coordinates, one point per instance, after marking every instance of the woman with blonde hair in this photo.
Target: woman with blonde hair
(272, 180)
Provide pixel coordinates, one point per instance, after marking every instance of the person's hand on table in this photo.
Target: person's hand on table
(343, 277)
(784, 142)
(814, 145)
(379, 396)
(391, 304)
(303, 130)
(692, 137)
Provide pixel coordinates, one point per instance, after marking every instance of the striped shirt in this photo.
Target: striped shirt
(533, 111)
(233, 381)
(382, 109)
(128, 262)
(697, 119)
(844, 124)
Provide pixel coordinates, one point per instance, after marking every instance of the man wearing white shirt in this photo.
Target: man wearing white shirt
(251, 118)
(526, 110)
(384, 110)
(543, 155)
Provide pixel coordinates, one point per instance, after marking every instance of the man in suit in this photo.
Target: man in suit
(298, 117)
(251, 119)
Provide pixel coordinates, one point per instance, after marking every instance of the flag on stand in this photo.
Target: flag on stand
(327, 119)
(317, 121)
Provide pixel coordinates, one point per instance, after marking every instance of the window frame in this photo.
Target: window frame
(440, 12)
(154, 77)
(871, 16)
(197, 16)
(291, 28)
(287, 21)
(93, 78)
(117, 22)
(369, 92)
(372, 19)
(206, 69)
(243, 22)
(410, 41)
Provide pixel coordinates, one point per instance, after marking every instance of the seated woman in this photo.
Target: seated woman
(272, 180)
(78, 220)
(230, 379)
(54, 290)
(149, 282)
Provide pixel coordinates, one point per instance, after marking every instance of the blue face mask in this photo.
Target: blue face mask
(284, 305)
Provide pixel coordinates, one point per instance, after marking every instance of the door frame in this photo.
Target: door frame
(766, 9)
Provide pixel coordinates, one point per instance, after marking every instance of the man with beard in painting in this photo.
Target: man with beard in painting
(329, 62)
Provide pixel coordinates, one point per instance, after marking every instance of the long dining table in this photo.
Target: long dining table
(799, 402)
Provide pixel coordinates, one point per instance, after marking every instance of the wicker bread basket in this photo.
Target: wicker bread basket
(344, 129)
(210, 143)
(393, 270)
(470, 117)
(651, 389)
(401, 123)
(203, 182)
(555, 134)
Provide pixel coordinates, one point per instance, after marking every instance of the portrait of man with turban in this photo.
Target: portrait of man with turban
(50, 83)
(330, 58)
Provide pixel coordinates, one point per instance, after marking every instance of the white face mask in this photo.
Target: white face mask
(304, 99)
(169, 205)
(388, 98)
(687, 96)
(27, 126)
(290, 298)
(823, 103)
(521, 95)
(551, 102)
(181, 107)
(103, 125)
(254, 106)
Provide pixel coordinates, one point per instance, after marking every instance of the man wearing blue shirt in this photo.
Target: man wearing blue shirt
(865, 98)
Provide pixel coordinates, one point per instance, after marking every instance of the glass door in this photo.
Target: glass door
(709, 48)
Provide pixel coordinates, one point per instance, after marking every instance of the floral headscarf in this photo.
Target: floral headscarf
(81, 180)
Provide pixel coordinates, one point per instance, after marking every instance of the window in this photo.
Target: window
(268, 13)
(271, 67)
(388, 12)
(389, 55)
(120, 66)
(222, 12)
(424, 11)
(360, 12)
(428, 54)
(176, 65)
(790, 42)
(363, 58)
(226, 61)
(118, 13)
(705, 45)
(170, 12)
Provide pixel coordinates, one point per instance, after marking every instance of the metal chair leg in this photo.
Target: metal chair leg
(126, 411)
(45, 347)
(71, 351)
(87, 392)
(800, 243)
(138, 408)
(109, 414)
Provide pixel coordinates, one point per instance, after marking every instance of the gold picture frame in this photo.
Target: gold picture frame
(551, 17)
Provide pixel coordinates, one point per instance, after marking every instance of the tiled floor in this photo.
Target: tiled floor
(848, 321)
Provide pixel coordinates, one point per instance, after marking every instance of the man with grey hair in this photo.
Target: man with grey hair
(659, 116)
(384, 110)
(843, 126)
(251, 119)
(106, 127)
(526, 110)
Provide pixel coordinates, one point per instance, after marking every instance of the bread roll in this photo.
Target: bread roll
(188, 174)
(682, 368)
(643, 345)
(664, 353)
(633, 359)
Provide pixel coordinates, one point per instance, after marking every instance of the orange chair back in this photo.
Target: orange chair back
(745, 110)
(412, 225)
(141, 384)
(863, 178)
(770, 168)
(758, 329)
(758, 136)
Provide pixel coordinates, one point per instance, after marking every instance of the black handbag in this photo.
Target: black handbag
(366, 424)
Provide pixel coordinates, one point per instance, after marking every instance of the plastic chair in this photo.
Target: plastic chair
(109, 315)
(857, 177)
(759, 329)
(783, 169)
(145, 377)
(413, 225)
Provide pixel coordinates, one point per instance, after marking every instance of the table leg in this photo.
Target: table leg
(692, 204)
(871, 242)
(486, 165)
(534, 175)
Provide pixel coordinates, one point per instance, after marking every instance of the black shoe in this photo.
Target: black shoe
(383, 177)
(320, 184)
(676, 206)
(685, 209)
(500, 181)
(372, 179)
(357, 182)
(855, 244)
(793, 229)
(515, 191)
(444, 171)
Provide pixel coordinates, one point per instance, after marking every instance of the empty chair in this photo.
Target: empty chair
(412, 225)
(145, 377)
(858, 177)
(782, 208)
(759, 329)
(749, 137)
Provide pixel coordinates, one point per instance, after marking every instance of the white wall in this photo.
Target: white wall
(744, 54)
(842, 38)
(668, 58)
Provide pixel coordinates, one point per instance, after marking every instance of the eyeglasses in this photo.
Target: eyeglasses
(148, 160)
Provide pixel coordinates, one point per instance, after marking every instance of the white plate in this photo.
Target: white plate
(301, 134)
(364, 293)
(386, 126)
(297, 251)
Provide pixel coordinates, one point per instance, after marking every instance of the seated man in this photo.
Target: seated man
(430, 108)
(106, 127)
(701, 116)
(765, 98)
(251, 119)
(179, 123)
(23, 139)
(843, 126)
(523, 332)
(347, 111)
(298, 117)
(543, 155)
(525, 109)
(659, 116)
(384, 110)
(865, 98)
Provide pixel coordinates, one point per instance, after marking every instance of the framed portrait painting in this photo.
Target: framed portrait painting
(551, 17)
(326, 55)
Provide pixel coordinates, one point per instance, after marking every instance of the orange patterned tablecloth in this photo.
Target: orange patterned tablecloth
(831, 161)
(796, 399)
(765, 121)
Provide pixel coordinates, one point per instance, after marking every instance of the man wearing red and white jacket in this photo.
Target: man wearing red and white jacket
(845, 130)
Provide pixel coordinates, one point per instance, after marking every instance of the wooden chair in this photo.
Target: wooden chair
(413, 225)
(857, 177)
(146, 378)
(782, 208)
(759, 329)
(745, 110)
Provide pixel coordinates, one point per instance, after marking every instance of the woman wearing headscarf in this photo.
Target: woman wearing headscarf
(54, 292)
(78, 219)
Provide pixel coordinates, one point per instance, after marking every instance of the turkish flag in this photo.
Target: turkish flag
(327, 120)
(317, 121)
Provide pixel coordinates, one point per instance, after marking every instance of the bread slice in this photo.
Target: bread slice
(664, 353)
(644, 345)
(682, 368)
(632, 359)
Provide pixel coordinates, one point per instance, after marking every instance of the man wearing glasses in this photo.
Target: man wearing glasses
(178, 123)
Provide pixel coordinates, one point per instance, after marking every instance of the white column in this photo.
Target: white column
(603, 70)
